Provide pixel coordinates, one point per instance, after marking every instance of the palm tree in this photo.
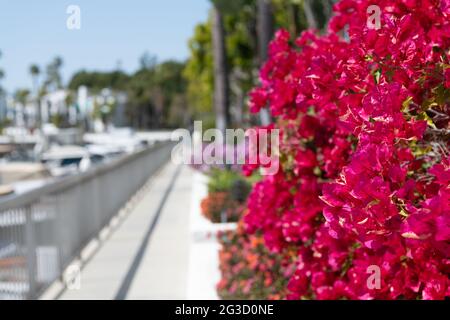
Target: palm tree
(265, 32)
(309, 13)
(35, 72)
(327, 6)
(2, 92)
(221, 84)
(53, 74)
(2, 75)
(21, 96)
(264, 27)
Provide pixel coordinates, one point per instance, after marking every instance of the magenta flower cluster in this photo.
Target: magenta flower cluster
(364, 155)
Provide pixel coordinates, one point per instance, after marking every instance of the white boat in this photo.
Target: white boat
(71, 159)
(123, 139)
(66, 160)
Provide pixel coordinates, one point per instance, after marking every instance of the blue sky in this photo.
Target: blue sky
(111, 31)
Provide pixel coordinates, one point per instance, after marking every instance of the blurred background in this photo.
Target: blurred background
(90, 92)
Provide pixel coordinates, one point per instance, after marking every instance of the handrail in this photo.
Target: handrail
(12, 201)
(49, 227)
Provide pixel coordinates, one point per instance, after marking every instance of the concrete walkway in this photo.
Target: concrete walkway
(147, 257)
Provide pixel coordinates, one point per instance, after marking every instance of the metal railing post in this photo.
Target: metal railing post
(30, 239)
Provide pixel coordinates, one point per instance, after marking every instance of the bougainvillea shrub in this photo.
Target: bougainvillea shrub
(249, 270)
(220, 207)
(364, 157)
(227, 193)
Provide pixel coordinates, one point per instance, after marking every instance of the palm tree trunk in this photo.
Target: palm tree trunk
(221, 85)
(265, 32)
(265, 28)
(310, 18)
(327, 9)
(37, 103)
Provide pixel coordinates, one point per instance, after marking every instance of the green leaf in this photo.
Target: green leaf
(406, 103)
(403, 213)
(442, 95)
(377, 75)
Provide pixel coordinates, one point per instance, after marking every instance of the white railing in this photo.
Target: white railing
(44, 230)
